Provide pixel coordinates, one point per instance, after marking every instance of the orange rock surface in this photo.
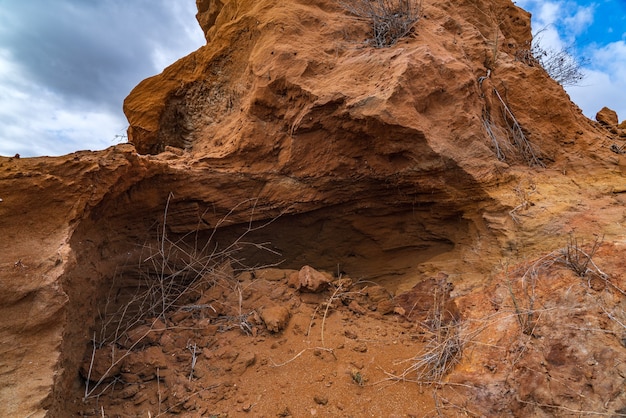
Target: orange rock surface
(139, 280)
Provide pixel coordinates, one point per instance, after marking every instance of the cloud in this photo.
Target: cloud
(605, 80)
(564, 25)
(73, 62)
(567, 18)
(580, 21)
(36, 120)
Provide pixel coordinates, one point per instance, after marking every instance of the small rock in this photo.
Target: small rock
(311, 280)
(275, 318)
(607, 117)
(320, 400)
(140, 398)
(312, 298)
(350, 334)
(174, 150)
(284, 412)
(243, 362)
(385, 307)
(293, 279)
(377, 293)
(140, 337)
(144, 364)
(360, 347)
(245, 276)
(356, 308)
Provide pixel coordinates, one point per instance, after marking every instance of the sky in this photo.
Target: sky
(595, 33)
(67, 65)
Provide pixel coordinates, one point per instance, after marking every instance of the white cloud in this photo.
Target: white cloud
(580, 21)
(66, 66)
(549, 13)
(36, 121)
(605, 81)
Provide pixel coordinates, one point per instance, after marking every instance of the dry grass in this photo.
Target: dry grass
(390, 20)
(441, 352)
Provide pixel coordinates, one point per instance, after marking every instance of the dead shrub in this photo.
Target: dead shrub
(579, 260)
(172, 279)
(560, 64)
(390, 20)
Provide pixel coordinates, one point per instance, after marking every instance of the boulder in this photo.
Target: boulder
(607, 117)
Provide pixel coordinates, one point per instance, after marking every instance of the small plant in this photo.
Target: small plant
(516, 135)
(391, 20)
(578, 260)
(357, 377)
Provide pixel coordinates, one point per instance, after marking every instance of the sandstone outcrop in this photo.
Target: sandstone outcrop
(607, 117)
(288, 141)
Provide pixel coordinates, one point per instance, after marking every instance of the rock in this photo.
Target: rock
(174, 150)
(607, 117)
(293, 279)
(130, 391)
(271, 274)
(377, 293)
(350, 334)
(431, 296)
(311, 280)
(144, 363)
(305, 141)
(243, 362)
(356, 308)
(385, 307)
(143, 335)
(275, 318)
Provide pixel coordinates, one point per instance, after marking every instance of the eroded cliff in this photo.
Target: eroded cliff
(443, 154)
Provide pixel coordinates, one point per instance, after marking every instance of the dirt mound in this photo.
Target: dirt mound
(308, 225)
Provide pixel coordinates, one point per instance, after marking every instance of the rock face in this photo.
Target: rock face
(444, 153)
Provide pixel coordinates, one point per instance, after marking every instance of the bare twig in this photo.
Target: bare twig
(192, 348)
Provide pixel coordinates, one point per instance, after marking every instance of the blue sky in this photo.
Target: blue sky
(595, 32)
(67, 65)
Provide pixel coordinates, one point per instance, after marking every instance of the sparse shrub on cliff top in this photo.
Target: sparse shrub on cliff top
(390, 19)
(560, 64)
